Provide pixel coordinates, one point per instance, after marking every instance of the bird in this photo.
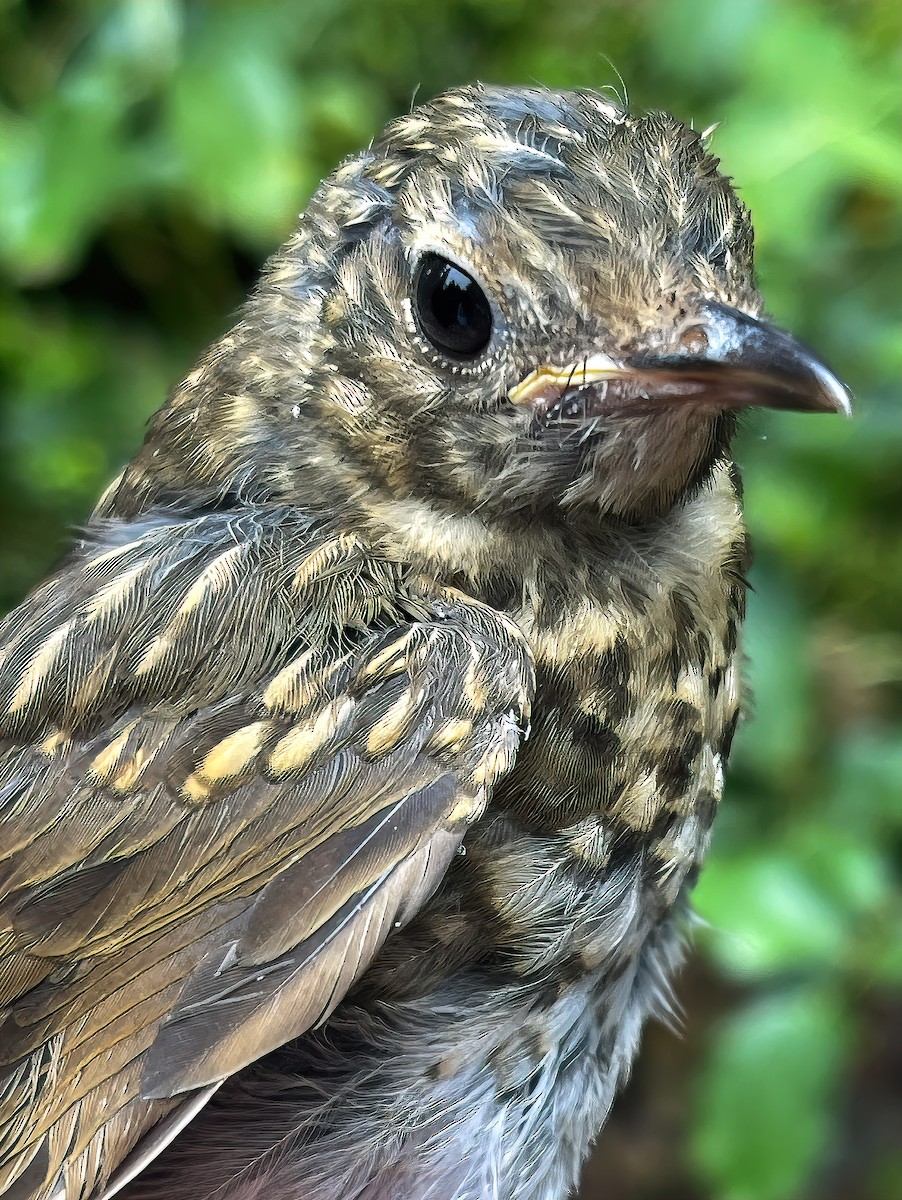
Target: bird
(359, 759)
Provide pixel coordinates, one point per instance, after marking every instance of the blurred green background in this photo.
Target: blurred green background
(152, 152)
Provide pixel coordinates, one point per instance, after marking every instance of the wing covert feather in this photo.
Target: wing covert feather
(207, 838)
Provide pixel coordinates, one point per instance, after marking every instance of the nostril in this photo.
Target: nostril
(694, 340)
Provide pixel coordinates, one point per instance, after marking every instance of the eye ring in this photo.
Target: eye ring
(452, 311)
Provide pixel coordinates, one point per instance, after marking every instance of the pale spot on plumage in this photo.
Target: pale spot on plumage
(93, 685)
(103, 564)
(221, 572)
(473, 686)
(194, 378)
(109, 491)
(104, 764)
(446, 541)
(468, 808)
(41, 664)
(692, 687)
(493, 765)
(131, 772)
(243, 417)
(293, 752)
(615, 115)
(591, 630)
(234, 753)
(683, 846)
(56, 742)
(386, 733)
(718, 775)
(318, 564)
(706, 771)
(590, 841)
(638, 805)
(492, 142)
(154, 655)
(297, 685)
(111, 599)
(451, 735)
(411, 125)
(195, 790)
(732, 685)
(389, 661)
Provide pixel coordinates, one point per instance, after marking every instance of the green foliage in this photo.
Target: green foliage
(152, 152)
(767, 1093)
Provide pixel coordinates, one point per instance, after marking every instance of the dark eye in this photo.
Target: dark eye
(452, 309)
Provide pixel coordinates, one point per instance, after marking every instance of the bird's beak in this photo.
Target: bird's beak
(725, 359)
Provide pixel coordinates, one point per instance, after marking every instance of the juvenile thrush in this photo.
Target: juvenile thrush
(357, 762)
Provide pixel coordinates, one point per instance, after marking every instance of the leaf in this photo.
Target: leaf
(766, 915)
(780, 677)
(235, 119)
(764, 1107)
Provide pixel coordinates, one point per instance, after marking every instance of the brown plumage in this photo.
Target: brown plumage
(362, 752)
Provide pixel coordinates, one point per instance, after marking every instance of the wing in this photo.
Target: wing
(238, 750)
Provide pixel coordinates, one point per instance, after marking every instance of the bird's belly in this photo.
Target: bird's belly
(476, 1090)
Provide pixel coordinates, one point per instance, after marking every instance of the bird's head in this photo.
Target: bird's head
(517, 303)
